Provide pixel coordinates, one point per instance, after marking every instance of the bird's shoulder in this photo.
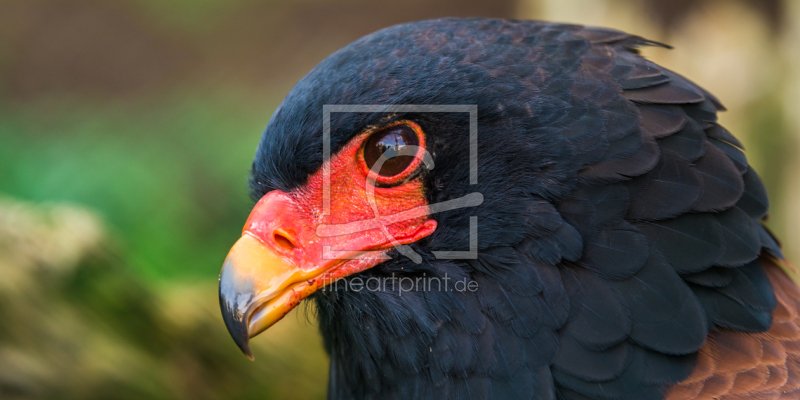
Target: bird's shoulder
(738, 365)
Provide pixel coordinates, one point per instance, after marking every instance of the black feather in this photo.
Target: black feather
(506, 267)
(734, 153)
(724, 312)
(722, 182)
(620, 121)
(637, 164)
(754, 200)
(674, 92)
(603, 35)
(520, 386)
(768, 241)
(485, 355)
(599, 317)
(691, 242)
(565, 243)
(469, 318)
(685, 334)
(495, 301)
(712, 277)
(529, 315)
(745, 304)
(644, 75)
(556, 300)
(662, 120)
(541, 218)
(653, 368)
(704, 113)
(720, 133)
(593, 366)
(406, 353)
(663, 369)
(751, 288)
(617, 252)
(463, 354)
(541, 349)
(546, 388)
(689, 142)
(580, 213)
(742, 241)
(510, 354)
(666, 315)
(610, 202)
(622, 148)
(670, 189)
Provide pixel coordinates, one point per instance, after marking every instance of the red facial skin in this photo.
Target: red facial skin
(294, 225)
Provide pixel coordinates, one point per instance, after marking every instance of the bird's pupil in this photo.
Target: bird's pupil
(389, 142)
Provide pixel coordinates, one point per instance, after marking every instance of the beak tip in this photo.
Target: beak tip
(245, 348)
(241, 338)
(243, 342)
(235, 321)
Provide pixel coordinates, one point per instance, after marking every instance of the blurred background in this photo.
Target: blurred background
(127, 128)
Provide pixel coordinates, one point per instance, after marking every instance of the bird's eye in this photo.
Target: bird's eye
(397, 143)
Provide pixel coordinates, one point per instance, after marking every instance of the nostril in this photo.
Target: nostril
(283, 241)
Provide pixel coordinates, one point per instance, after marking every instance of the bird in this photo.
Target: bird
(483, 208)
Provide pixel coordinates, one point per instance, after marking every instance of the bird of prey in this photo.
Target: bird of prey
(605, 229)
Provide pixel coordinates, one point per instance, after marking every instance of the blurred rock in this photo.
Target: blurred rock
(76, 324)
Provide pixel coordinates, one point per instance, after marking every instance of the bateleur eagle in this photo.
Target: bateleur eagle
(609, 242)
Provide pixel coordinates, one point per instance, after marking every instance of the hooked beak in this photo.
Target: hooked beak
(254, 289)
(281, 259)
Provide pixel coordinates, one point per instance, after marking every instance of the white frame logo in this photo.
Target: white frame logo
(381, 221)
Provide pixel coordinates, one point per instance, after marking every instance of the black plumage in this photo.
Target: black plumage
(689, 142)
(670, 189)
(620, 221)
(722, 182)
(659, 121)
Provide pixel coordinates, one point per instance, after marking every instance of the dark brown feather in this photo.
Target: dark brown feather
(737, 365)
